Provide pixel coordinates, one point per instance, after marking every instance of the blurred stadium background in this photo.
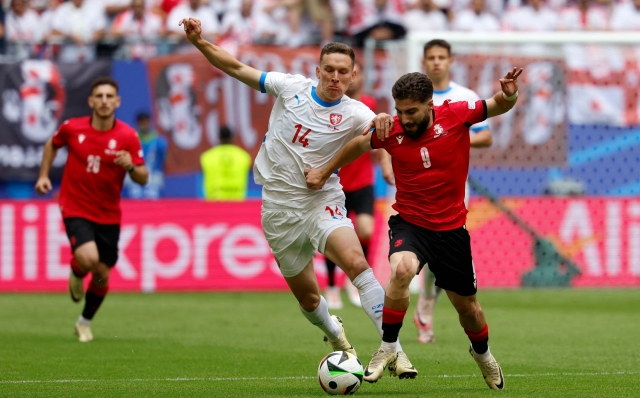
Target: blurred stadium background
(564, 167)
(555, 200)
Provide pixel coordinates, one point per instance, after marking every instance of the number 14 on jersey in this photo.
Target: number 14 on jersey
(303, 138)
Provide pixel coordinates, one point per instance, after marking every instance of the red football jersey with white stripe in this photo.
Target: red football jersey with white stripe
(431, 171)
(91, 182)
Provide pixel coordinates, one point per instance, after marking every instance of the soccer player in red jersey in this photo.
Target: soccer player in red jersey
(357, 183)
(429, 146)
(101, 150)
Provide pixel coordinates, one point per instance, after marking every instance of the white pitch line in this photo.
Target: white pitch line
(301, 378)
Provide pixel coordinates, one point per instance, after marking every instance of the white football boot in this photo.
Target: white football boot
(402, 367)
(341, 344)
(379, 362)
(83, 331)
(491, 371)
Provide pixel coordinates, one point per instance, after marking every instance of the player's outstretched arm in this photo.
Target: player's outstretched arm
(506, 99)
(43, 185)
(316, 178)
(218, 57)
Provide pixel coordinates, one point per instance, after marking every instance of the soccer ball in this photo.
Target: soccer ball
(340, 373)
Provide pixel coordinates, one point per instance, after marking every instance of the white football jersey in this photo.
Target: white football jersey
(304, 132)
(456, 92)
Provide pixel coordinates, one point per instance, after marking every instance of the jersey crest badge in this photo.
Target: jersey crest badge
(81, 138)
(439, 131)
(335, 118)
(400, 138)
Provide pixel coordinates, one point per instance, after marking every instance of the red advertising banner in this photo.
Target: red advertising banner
(600, 236)
(187, 245)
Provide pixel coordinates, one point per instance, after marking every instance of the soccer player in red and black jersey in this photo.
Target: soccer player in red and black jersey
(357, 183)
(101, 151)
(429, 146)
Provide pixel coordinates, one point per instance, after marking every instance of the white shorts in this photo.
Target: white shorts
(295, 235)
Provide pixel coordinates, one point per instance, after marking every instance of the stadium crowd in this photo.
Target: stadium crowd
(76, 30)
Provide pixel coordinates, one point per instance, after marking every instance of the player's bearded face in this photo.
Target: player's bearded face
(414, 116)
(104, 101)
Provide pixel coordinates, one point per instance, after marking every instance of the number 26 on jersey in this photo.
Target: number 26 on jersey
(303, 138)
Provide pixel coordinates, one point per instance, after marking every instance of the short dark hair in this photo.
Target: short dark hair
(142, 116)
(225, 133)
(102, 80)
(414, 86)
(338, 48)
(437, 43)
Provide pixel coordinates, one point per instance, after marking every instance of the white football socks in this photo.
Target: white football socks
(389, 346)
(320, 317)
(372, 298)
(82, 319)
(483, 357)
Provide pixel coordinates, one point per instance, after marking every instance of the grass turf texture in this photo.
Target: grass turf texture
(551, 343)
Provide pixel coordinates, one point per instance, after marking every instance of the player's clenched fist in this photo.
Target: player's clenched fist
(43, 185)
(192, 29)
(315, 178)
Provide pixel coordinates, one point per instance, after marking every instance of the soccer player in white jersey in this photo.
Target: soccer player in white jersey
(309, 123)
(437, 62)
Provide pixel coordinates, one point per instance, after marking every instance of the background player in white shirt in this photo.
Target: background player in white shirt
(309, 123)
(437, 63)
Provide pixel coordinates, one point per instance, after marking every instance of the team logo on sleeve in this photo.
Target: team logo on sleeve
(335, 118)
(471, 104)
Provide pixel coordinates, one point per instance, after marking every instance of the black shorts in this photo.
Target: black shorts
(106, 236)
(448, 253)
(360, 201)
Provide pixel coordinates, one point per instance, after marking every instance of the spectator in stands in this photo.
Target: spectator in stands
(272, 21)
(425, 16)
(140, 27)
(22, 28)
(626, 16)
(495, 7)
(225, 169)
(46, 19)
(79, 24)
(192, 9)
(534, 16)
(583, 15)
(114, 7)
(379, 19)
(155, 148)
(476, 19)
(320, 12)
(238, 24)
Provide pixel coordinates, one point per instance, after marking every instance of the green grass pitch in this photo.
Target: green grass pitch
(551, 343)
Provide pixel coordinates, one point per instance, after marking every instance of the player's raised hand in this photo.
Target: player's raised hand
(123, 159)
(315, 178)
(192, 29)
(43, 185)
(382, 123)
(509, 83)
